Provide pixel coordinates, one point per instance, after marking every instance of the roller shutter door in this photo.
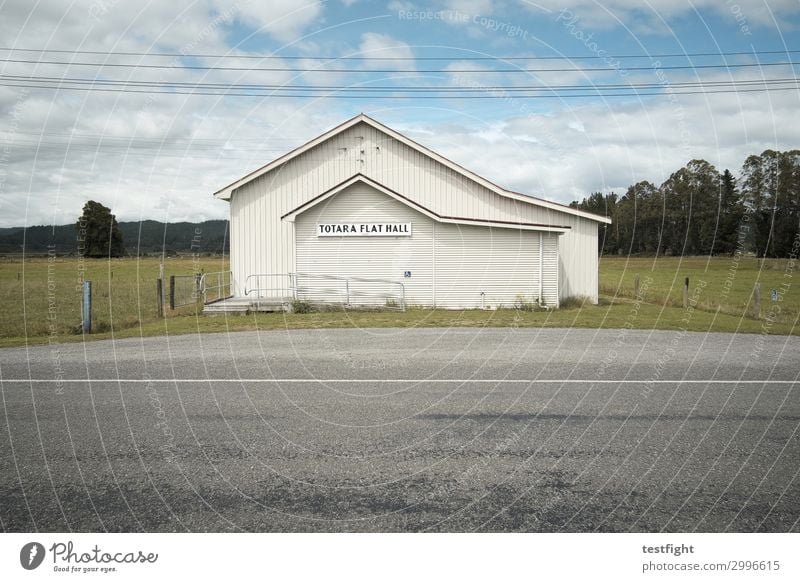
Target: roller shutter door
(480, 266)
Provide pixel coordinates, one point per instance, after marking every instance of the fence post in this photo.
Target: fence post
(757, 300)
(636, 287)
(87, 307)
(172, 292)
(160, 296)
(347, 291)
(198, 288)
(686, 293)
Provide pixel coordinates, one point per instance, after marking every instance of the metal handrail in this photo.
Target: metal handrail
(349, 292)
(295, 279)
(203, 288)
(248, 290)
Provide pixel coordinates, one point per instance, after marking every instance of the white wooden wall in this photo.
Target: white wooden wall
(262, 243)
(366, 257)
(451, 265)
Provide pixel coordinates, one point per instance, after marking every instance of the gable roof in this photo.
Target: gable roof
(226, 192)
(362, 179)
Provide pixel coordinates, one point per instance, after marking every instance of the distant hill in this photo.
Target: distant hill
(145, 237)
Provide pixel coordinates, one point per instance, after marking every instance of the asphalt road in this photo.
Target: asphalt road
(404, 430)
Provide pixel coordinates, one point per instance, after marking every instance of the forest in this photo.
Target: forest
(701, 211)
(140, 238)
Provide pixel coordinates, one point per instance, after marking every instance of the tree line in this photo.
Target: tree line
(97, 233)
(700, 211)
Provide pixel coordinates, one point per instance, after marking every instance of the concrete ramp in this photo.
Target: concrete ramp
(244, 305)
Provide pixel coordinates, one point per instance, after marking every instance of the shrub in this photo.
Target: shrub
(300, 306)
(101, 327)
(575, 301)
(521, 303)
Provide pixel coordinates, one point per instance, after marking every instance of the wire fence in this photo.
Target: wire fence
(184, 290)
(199, 288)
(215, 286)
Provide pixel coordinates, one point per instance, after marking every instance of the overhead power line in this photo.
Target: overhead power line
(132, 83)
(333, 95)
(420, 58)
(388, 71)
(71, 136)
(408, 90)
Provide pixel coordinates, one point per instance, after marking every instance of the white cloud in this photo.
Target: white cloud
(376, 45)
(655, 15)
(145, 155)
(284, 20)
(401, 6)
(112, 25)
(482, 7)
(575, 150)
(160, 156)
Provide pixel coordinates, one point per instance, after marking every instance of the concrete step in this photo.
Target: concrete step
(241, 306)
(216, 309)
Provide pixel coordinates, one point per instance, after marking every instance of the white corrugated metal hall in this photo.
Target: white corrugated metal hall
(364, 215)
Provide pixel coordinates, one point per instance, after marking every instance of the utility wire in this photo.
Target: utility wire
(386, 71)
(383, 96)
(421, 58)
(393, 88)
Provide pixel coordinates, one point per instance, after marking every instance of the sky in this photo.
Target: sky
(160, 155)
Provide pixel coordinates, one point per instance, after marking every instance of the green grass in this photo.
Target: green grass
(43, 297)
(125, 302)
(719, 283)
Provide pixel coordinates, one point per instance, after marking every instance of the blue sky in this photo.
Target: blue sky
(161, 156)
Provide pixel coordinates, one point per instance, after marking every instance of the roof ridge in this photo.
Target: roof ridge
(226, 192)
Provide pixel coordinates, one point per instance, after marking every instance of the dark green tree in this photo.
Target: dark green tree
(691, 202)
(639, 213)
(698, 211)
(771, 189)
(786, 204)
(731, 211)
(98, 232)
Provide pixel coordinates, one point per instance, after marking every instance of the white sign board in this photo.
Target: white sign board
(364, 229)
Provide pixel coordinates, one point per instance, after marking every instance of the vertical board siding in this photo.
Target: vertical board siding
(492, 267)
(362, 256)
(578, 260)
(550, 280)
(265, 244)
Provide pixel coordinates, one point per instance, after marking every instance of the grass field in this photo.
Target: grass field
(721, 283)
(43, 301)
(43, 296)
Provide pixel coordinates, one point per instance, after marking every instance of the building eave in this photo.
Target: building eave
(226, 192)
(361, 178)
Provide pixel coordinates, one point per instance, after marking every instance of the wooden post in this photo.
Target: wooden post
(87, 307)
(636, 287)
(757, 300)
(172, 292)
(160, 294)
(686, 293)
